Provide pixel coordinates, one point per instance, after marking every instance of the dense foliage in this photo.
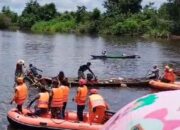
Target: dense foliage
(122, 17)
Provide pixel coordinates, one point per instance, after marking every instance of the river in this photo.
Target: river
(67, 52)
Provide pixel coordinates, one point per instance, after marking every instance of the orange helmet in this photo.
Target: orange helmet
(20, 80)
(82, 82)
(93, 91)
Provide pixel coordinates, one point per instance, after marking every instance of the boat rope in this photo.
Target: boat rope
(53, 120)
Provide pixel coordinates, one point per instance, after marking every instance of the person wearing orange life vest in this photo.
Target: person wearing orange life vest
(56, 100)
(97, 107)
(66, 91)
(21, 93)
(80, 98)
(172, 76)
(42, 103)
(166, 75)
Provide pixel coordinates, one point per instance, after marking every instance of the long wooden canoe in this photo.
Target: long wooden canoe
(115, 57)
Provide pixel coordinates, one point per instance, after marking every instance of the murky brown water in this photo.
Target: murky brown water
(53, 53)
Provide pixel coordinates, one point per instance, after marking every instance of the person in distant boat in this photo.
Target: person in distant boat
(42, 105)
(154, 74)
(21, 93)
(80, 98)
(56, 100)
(104, 53)
(97, 107)
(34, 70)
(83, 68)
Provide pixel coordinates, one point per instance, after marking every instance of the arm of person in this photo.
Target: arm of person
(38, 69)
(36, 98)
(91, 72)
(13, 96)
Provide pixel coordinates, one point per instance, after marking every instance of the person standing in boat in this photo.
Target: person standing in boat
(20, 69)
(154, 74)
(56, 100)
(80, 98)
(83, 68)
(42, 104)
(66, 91)
(97, 107)
(21, 93)
(61, 76)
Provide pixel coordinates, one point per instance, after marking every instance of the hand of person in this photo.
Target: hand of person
(11, 102)
(73, 99)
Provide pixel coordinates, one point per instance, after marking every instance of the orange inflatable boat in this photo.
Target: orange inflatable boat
(164, 86)
(46, 123)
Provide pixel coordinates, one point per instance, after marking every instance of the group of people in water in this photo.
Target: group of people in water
(54, 101)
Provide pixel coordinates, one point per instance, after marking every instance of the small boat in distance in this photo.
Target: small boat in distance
(115, 57)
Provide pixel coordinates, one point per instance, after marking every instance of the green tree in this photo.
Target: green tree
(115, 7)
(80, 14)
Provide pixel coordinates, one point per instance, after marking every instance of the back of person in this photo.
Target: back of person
(43, 100)
(82, 95)
(97, 108)
(66, 91)
(83, 68)
(21, 94)
(57, 99)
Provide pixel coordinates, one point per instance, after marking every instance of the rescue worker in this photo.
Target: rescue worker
(80, 98)
(168, 76)
(83, 68)
(41, 107)
(97, 107)
(172, 76)
(66, 91)
(21, 93)
(154, 73)
(56, 100)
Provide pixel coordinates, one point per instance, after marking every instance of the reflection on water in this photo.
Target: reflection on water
(53, 53)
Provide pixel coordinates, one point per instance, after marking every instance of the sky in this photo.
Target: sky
(63, 5)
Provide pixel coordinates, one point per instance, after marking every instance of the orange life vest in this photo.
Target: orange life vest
(43, 100)
(57, 99)
(96, 102)
(172, 77)
(81, 95)
(21, 94)
(66, 91)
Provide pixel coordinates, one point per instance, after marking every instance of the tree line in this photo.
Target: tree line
(122, 17)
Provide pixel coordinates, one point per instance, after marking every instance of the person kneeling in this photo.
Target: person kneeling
(42, 98)
(97, 107)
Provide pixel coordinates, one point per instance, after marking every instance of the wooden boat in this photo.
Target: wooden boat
(114, 82)
(115, 57)
(32, 122)
(164, 86)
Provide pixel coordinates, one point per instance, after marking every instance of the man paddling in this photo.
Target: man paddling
(83, 68)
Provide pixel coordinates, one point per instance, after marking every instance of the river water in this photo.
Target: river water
(67, 52)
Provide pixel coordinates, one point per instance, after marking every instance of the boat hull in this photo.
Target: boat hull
(39, 123)
(115, 57)
(164, 86)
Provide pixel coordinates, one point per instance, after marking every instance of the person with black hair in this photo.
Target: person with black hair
(84, 68)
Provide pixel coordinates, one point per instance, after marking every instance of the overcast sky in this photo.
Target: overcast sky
(62, 5)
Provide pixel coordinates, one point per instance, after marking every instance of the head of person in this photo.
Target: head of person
(21, 62)
(43, 89)
(155, 66)
(88, 64)
(82, 82)
(55, 84)
(20, 80)
(30, 65)
(61, 74)
(167, 68)
(93, 91)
